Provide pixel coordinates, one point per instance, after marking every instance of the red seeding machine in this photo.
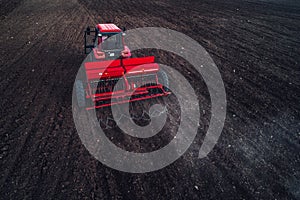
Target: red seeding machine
(110, 63)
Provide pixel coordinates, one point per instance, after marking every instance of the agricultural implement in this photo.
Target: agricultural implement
(112, 76)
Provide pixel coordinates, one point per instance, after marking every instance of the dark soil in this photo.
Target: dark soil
(256, 46)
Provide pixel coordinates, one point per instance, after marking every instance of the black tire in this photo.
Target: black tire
(80, 94)
(163, 79)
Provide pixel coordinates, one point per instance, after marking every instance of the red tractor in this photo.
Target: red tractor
(109, 62)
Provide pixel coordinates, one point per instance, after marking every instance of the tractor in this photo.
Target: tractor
(112, 76)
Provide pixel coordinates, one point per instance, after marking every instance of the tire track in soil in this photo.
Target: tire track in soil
(31, 109)
(33, 19)
(31, 140)
(19, 84)
(7, 6)
(33, 47)
(27, 73)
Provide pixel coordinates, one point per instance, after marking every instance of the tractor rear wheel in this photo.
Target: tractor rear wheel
(80, 93)
(163, 79)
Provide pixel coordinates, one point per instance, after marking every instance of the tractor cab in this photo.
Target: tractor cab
(107, 42)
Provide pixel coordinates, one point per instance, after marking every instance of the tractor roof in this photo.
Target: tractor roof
(108, 28)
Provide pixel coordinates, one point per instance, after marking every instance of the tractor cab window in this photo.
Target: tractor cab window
(111, 42)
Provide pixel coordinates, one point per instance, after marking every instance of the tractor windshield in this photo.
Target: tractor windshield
(112, 42)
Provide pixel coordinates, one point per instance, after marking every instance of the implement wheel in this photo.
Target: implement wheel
(80, 94)
(163, 79)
